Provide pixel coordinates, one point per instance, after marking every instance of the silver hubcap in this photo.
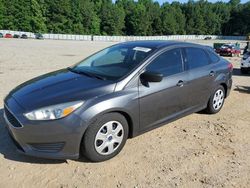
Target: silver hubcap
(218, 99)
(109, 137)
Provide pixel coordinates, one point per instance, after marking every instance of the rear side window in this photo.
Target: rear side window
(167, 63)
(214, 58)
(195, 58)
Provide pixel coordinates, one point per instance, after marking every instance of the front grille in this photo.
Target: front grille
(48, 147)
(11, 118)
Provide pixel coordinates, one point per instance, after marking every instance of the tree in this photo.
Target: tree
(126, 17)
(195, 23)
(138, 20)
(153, 15)
(36, 19)
(84, 17)
(1, 13)
(173, 20)
(57, 16)
(112, 19)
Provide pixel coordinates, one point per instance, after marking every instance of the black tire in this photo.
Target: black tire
(88, 145)
(210, 107)
(243, 71)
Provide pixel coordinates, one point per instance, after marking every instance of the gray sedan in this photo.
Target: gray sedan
(122, 91)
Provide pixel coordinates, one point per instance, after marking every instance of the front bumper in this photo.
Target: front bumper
(57, 139)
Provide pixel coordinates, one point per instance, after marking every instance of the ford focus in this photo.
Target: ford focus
(92, 107)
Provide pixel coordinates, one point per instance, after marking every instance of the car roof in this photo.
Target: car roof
(158, 43)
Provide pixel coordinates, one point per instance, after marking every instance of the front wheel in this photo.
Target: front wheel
(105, 138)
(216, 101)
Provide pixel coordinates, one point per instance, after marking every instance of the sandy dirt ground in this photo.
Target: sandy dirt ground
(196, 151)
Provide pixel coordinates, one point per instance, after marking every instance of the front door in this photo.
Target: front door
(160, 101)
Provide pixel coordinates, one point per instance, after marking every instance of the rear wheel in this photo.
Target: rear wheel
(105, 138)
(216, 101)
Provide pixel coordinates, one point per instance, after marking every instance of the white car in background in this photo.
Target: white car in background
(245, 63)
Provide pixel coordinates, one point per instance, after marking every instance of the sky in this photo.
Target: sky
(184, 1)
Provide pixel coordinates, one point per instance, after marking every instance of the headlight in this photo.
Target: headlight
(54, 112)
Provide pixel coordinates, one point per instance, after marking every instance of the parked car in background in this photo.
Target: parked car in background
(91, 108)
(229, 50)
(207, 38)
(8, 35)
(245, 63)
(16, 36)
(24, 36)
(38, 36)
(1, 35)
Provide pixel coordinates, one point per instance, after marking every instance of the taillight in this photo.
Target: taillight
(230, 66)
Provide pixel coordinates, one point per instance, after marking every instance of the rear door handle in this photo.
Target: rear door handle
(180, 83)
(212, 73)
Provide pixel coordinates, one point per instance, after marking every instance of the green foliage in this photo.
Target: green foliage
(112, 18)
(125, 17)
(173, 19)
(1, 13)
(84, 17)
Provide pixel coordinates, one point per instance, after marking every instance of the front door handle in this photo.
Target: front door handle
(180, 83)
(212, 73)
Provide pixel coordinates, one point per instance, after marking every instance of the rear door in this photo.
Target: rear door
(200, 76)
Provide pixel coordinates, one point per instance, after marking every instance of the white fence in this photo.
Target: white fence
(166, 37)
(123, 38)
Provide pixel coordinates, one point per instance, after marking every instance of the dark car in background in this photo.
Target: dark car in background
(16, 36)
(38, 36)
(208, 38)
(1, 35)
(24, 36)
(122, 91)
(229, 50)
(8, 35)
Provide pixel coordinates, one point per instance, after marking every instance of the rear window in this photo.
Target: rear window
(195, 58)
(213, 57)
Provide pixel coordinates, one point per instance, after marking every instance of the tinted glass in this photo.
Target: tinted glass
(168, 63)
(113, 62)
(214, 58)
(196, 57)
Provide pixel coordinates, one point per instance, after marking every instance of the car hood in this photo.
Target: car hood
(59, 87)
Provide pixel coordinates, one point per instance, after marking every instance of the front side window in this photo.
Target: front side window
(195, 58)
(167, 63)
(114, 62)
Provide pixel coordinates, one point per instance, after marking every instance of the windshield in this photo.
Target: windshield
(227, 46)
(114, 62)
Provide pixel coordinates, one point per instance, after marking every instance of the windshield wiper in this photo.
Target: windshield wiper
(89, 74)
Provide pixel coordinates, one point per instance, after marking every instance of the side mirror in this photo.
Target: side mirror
(151, 76)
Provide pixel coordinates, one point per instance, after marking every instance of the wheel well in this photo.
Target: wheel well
(129, 120)
(225, 88)
(130, 127)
